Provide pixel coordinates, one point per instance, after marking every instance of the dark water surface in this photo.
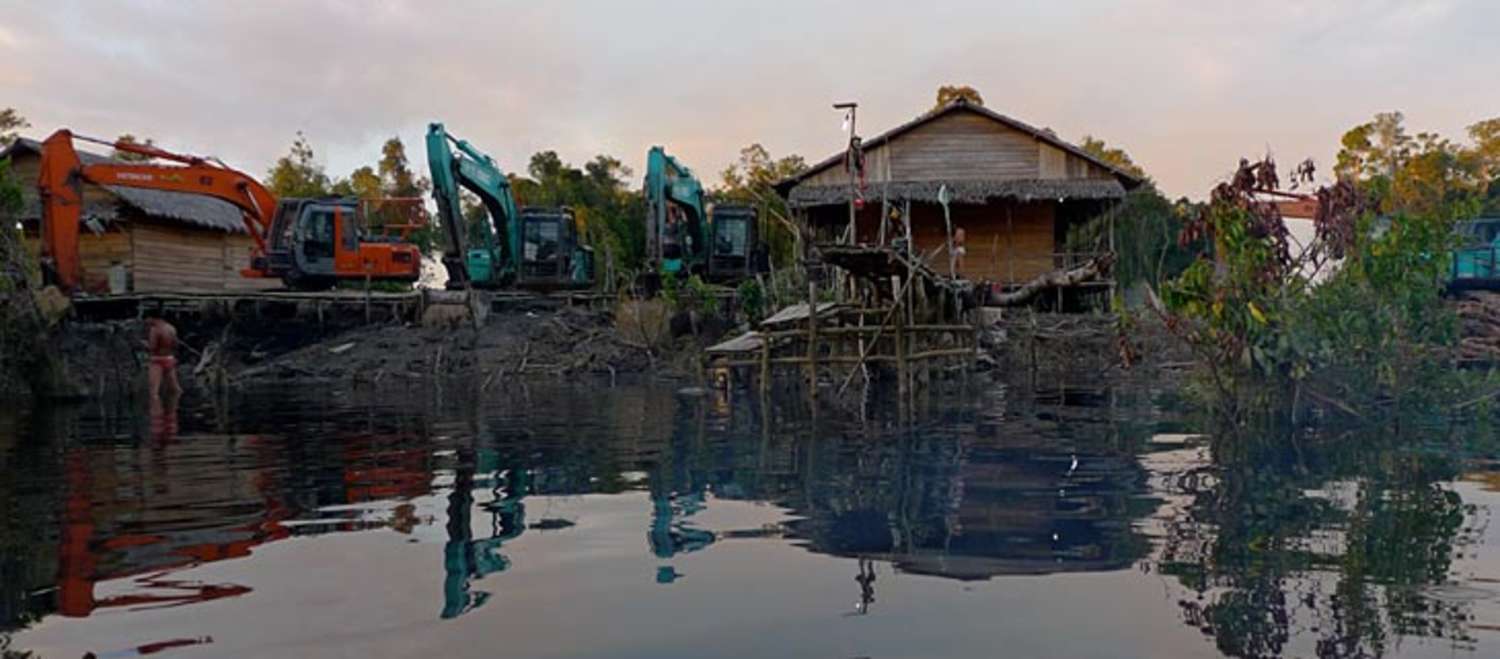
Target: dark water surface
(636, 521)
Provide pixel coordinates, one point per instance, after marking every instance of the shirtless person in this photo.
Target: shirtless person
(161, 346)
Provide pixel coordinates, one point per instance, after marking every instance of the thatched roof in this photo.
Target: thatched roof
(964, 191)
(977, 191)
(184, 207)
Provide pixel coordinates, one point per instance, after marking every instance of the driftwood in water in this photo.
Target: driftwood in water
(1094, 269)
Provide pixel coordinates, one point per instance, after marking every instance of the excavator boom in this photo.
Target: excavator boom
(676, 220)
(455, 164)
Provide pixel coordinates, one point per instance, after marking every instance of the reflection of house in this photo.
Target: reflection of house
(158, 240)
(1000, 512)
(1015, 190)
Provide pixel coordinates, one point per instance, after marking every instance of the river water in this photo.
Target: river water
(638, 520)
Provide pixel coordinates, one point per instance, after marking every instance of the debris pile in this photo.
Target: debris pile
(522, 345)
(1479, 320)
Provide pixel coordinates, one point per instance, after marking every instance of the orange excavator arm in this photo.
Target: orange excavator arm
(60, 187)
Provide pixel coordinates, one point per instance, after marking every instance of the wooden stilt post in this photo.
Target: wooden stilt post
(911, 259)
(902, 372)
(765, 364)
(812, 324)
(885, 216)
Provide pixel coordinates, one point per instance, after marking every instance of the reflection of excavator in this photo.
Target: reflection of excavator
(103, 540)
(671, 534)
(686, 237)
(307, 243)
(466, 559)
(531, 248)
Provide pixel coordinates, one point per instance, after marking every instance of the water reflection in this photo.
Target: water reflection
(1313, 551)
(466, 559)
(1334, 549)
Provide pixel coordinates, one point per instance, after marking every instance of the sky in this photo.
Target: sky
(1187, 88)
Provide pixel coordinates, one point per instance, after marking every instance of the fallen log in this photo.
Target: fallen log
(1057, 278)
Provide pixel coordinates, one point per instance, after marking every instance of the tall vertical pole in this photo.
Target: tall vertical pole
(852, 110)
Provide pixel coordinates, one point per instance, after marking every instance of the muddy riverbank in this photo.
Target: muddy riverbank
(106, 359)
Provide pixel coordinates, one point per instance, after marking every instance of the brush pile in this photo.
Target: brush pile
(1479, 319)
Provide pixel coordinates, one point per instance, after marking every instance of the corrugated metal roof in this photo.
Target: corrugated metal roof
(185, 207)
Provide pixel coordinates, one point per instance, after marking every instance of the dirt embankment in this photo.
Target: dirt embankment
(108, 358)
(567, 342)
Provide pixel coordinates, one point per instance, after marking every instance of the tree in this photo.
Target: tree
(362, 182)
(950, 93)
(608, 213)
(751, 180)
(129, 156)
(1111, 155)
(1485, 159)
(395, 172)
(298, 174)
(1375, 149)
(11, 124)
(1425, 174)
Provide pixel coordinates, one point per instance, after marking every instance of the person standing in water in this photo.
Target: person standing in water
(161, 349)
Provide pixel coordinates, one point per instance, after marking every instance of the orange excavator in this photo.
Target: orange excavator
(307, 243)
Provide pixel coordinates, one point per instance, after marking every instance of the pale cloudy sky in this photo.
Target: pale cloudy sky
(1186, 87)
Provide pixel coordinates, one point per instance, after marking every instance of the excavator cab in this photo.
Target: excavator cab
(315, 242)
(735, 252)
(552, 255)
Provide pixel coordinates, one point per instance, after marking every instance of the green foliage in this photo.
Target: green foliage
(10, 196)
(363, 183)
(131, 156)
(689, 294)
(298, 174)
(610, 216)
(11, 124)
(752, 299)
(1378, 325)
(396, 177)
(1425, 174)
(1113, 155)
(751, 181)
(1375, 331)
(949, 93)
(1147, 226)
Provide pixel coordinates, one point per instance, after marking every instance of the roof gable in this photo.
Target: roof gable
(962, 107)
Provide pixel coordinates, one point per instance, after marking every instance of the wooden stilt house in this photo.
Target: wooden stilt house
(1015, 191)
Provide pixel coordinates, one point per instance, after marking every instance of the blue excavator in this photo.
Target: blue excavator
(534, 248)
(685, 236)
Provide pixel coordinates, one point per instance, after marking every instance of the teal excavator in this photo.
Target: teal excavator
(527, 248)
(686, 237)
